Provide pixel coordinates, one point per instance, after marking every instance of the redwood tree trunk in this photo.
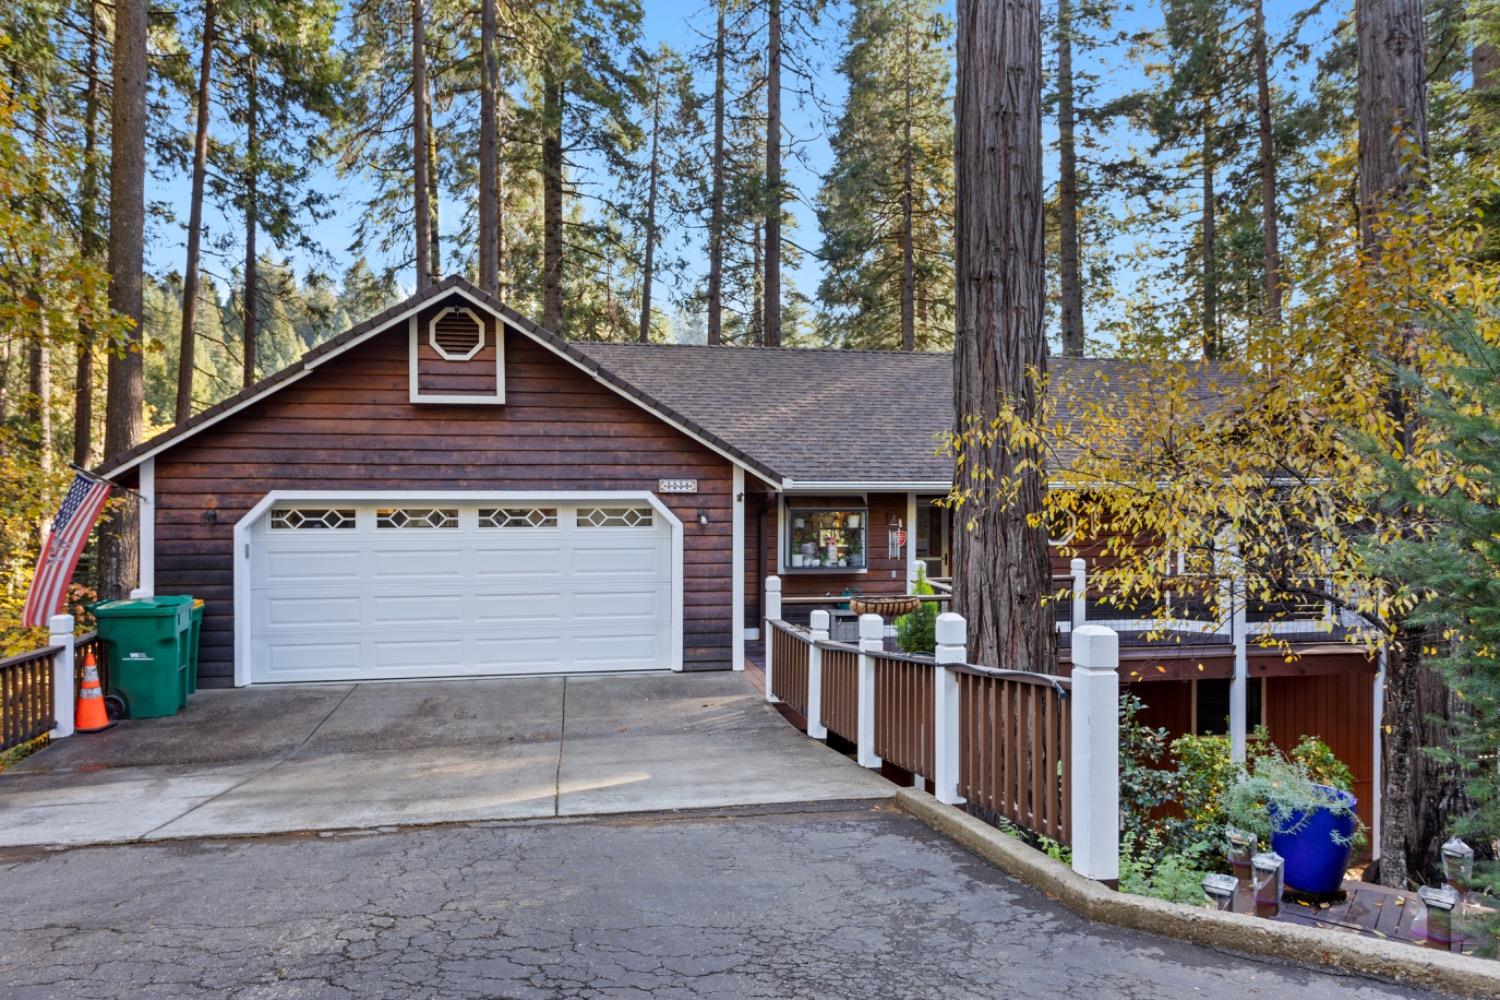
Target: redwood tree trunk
(251, 298)
(552, 205)
(1390, 44)
(1070, 278)
(716, 210)
(648, 266)
(118, 555)
(1267, 172)
(489, 153)
(185, 361)
(1001, 565)
(1212, 347)
(421, 208)
(771, 325)
(908, 182)
(91, 244)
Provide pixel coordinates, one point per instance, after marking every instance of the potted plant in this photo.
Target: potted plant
(1312, 825)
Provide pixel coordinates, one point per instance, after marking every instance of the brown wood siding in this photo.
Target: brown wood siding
(438, 375)
(1336, 708)
(350, 425)
(886, 570)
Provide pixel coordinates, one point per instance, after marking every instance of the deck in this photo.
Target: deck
(1371, 910)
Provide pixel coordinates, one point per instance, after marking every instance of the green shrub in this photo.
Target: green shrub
(1147, 870)
(917, 632)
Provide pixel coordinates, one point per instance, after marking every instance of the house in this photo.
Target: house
(446, 489)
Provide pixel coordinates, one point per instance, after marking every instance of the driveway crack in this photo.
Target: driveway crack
(249, 778)
(562, 735)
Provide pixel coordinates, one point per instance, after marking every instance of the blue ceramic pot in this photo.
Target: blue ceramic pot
(1315, 861)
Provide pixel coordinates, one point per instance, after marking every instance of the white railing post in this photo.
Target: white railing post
(952, 647)
(63, 704)
(1080, 572)
(773, 613)
(1095, 709)
(871, 640)
(815, 727)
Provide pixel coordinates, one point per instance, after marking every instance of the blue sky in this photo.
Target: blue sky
(680, 24)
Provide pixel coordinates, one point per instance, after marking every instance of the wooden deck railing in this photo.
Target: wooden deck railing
(26, 701)
(789, 650)
(840, 676)
(1014, 737)
(904, 711)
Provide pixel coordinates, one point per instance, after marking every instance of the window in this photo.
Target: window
(416, 517)
(615, 517)
(311, 518)
(518, 517)
(826, 539)
(1211, 705)
(456, 334)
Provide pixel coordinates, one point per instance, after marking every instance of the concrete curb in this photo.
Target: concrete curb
(1405, 964)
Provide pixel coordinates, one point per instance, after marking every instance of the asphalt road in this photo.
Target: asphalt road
(842, 900)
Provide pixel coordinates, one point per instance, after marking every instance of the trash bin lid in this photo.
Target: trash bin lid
(139, 607)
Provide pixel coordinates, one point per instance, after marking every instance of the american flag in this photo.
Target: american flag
(70, 532)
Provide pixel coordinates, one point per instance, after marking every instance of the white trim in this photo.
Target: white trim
(244, 524)
(751, 634)
(308, 366)
(737, 568)
(911, 541)
(866, 485)
(146, 577)
(414, 391)
(780, 535)
(1376, 759)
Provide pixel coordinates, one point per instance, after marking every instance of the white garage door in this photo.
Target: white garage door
(342, 591)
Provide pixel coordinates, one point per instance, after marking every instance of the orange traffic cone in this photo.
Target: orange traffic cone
(91, 716)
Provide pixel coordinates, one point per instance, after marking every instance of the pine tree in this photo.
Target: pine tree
(886, 207)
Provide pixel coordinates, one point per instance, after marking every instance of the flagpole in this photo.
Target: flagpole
(100, 479)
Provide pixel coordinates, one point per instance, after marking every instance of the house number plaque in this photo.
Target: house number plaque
(677, 486)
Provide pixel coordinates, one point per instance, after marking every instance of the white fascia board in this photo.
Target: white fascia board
(864, 486)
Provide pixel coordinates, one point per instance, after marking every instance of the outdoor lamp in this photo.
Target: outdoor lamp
(1266, 872)
(1440, 901)
(1458, 864)
(1239, 845)
(703, 517)
(1218, 891)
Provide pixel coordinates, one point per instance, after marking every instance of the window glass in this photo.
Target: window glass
(416, 517)
(1213, 705)
(826, 539)
(518, 517)
(311, 518)
(615, 517)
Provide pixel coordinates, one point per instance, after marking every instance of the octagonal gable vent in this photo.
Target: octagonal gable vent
(456, 334)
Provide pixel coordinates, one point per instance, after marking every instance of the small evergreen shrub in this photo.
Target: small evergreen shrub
(917, 632)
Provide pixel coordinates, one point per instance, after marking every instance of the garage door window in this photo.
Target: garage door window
(416, 517)
(518, 517)
(311, 518)
(615, 517)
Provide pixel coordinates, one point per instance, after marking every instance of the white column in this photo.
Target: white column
(871, 640)
(952, 641)
(773, 613)
(1079, 569)
(815, 727)
(1095, 750)
(737, 569)
(1233, 597)
(63, 703)
(911, 541)
(146, 507)
(1377, 736)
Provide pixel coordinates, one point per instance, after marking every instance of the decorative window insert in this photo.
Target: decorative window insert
(518, 517)
(826, 539)
(616, 517)
(416, 517)
(456, 333)
(311, 519)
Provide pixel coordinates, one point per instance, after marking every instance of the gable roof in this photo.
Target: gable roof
(385, 319)
(794, 417)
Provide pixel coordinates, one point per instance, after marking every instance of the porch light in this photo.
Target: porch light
(1266, 870)
(1218, 891)
(703, 517)
(1458, 864)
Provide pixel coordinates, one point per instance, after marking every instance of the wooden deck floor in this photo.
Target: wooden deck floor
(1372, 910)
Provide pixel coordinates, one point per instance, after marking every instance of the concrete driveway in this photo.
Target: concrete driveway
(345, 756)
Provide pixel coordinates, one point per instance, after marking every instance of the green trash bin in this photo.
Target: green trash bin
(194, 631)
(147, 640)
(185, 640)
